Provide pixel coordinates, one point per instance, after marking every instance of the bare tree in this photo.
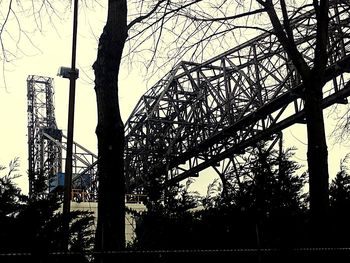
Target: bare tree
(313, 79)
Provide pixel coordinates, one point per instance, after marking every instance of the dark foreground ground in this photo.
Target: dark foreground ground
(182, 256)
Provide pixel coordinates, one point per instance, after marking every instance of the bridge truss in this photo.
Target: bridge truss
(47, 145)
(211, 114)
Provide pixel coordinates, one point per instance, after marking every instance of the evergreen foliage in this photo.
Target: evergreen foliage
(266, 210)
(340, 207)
(34, 224)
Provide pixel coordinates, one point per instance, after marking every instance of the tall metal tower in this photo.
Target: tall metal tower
(47, 144)
(44, 155)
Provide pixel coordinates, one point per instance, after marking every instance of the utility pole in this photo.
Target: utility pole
(72, 74)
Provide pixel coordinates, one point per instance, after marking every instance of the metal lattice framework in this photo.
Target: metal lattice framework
(44, 156)
(205, 115)
(47, 145)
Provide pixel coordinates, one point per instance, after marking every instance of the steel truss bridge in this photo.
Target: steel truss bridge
(200, 115)
(207, 115)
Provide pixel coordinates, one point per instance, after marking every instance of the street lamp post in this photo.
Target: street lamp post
(72, 74)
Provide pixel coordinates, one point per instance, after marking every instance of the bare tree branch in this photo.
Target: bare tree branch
(291, 49)
(143, 17)
(286, 22)
(3, 49)
(160, 32)
(154, 9)
(227, 17)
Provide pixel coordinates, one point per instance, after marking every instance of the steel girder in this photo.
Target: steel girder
(199, 115)
(43, 155)
(84, 168)
(47, 145)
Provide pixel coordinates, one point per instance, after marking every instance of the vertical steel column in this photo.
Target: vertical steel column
(68, 168)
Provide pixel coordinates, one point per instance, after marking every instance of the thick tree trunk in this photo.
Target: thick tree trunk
(317, 156)
(313, 81)
(110, 233)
